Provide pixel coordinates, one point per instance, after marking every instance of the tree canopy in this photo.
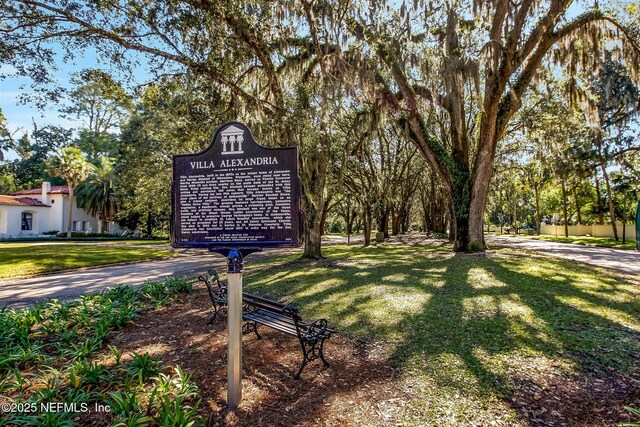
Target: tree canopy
(450, 77)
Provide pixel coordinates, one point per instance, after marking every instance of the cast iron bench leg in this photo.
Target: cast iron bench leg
(304, 363)
(211, 318)
(326, 364)
(249, 327)
(311, 351)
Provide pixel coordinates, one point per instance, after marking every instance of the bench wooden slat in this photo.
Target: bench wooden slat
(274, 322)
(262, 305)
(277, 326)
(262, 300)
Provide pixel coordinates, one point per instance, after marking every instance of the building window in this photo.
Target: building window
(75, 226)
(27, 221)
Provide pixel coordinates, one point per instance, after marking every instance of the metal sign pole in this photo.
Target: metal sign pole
(234, 327)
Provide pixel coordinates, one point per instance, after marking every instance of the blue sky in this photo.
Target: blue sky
(20, 116)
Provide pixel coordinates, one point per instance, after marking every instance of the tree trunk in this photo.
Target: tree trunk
(367, 222)
(405, 223)
(323, 219)
(461, 211)
(599, 201)
(70, 219)
(538, 216)
(383, 219)
(312, 240)
(578, 207)
(313, 223)
(349, 223)
(396, 221)
(605, 175)
(149, 223)
(314, 172)
(564, 206)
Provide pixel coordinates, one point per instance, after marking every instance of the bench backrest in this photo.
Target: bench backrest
(210, 279)
(259, 302)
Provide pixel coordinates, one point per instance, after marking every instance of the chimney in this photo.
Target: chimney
(46, 188)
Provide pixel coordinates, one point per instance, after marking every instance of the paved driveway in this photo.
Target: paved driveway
(18, 293)
(627, 261)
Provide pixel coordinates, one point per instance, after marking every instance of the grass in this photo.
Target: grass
(467, 331)
(136, 242)
(25, 259)
(54, 353)
(603, 242)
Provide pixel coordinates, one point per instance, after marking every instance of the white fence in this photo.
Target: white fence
(595, 230)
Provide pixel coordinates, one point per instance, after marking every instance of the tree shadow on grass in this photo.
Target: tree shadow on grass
(471, 331)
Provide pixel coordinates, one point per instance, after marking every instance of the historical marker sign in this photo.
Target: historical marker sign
(236, 193)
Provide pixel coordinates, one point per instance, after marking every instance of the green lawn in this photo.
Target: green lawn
(469, 332)
(25, 259)
(136, 242)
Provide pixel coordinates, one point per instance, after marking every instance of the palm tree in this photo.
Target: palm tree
(69, 163)
(96, 194)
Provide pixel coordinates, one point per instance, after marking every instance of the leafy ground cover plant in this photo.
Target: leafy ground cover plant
(635, 413)
(54, 353)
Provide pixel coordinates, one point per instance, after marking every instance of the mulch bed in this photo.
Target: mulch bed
(359, 389)
(593, 400)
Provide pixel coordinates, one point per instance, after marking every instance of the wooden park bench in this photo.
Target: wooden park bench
(257, 310)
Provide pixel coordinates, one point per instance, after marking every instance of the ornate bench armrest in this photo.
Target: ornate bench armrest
(291, 310)
(318, 328)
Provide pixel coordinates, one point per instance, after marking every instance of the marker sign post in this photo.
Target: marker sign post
(235, 198)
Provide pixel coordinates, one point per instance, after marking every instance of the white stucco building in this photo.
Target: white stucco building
(34, 212)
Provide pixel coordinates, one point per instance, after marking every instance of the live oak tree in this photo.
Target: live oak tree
(474, 62)
(610, 103)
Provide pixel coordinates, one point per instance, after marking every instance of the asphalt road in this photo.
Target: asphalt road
(627, 261)
(17, 293)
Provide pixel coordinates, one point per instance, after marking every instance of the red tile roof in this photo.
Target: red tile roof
(20, 201)
(55, 189)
